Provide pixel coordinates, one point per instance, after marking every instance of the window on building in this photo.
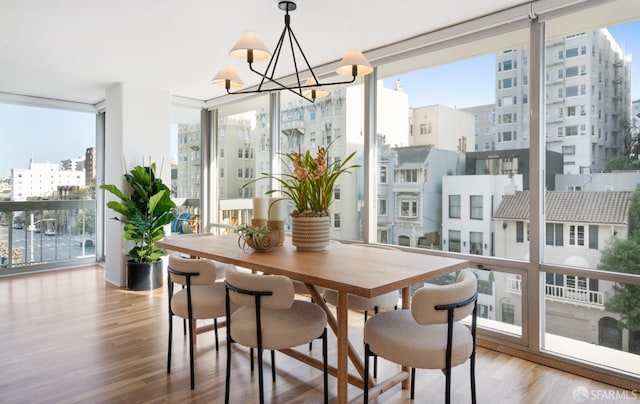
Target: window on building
(576, 235)
(404, 241)
(593, 237)
(408, 208)
(454, 240)
(571, 91)
(384, 237)
(569, 150)
(571, 130)
(382, 206)
(475, 242)
(454, 206)
(571, 71)
(554, 233)
(571, 52)
(383, 174)
(410, 175)
(475, 202)
(519, 232)
(336, 192)
(336, 220)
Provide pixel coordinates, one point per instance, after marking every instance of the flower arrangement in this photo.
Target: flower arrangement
(310, 180)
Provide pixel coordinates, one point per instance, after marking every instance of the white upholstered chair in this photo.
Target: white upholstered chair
(430, 335)
(200, 297)
(268, 317)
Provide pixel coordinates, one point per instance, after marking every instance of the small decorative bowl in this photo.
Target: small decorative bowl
(258, 238)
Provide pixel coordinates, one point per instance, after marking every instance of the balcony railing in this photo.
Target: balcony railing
(514, 285)
(564, 293)
(36, 235)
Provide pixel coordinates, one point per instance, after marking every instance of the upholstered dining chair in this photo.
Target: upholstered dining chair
(200, 297)
(268, 317)
(431, 334)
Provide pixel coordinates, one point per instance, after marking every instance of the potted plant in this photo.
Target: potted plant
(146, 207)
(259, 238)
(309, 183)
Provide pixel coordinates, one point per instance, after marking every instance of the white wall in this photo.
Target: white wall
(138, 127)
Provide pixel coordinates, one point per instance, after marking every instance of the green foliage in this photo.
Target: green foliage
(86, 222)
(621, 163)
(624, 256)
(146, 207)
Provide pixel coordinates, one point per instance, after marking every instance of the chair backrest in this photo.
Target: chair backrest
(206, 269)
(281, 289)
(425, 299)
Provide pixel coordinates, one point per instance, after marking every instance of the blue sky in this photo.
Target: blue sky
(471, 82)
(34, 131)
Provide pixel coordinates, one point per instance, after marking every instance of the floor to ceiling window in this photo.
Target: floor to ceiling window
(591, 203)
(47, 186)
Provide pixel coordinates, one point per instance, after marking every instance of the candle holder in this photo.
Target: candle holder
(278, 226)
(258, 222)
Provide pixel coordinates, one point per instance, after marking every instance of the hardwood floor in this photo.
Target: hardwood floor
(69, 337)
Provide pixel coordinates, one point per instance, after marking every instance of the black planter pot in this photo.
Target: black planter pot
(144, 276)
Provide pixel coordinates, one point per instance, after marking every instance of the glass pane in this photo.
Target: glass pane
(47, 186)
(465, 148)
(186, 145)
(243, 153)
(590, 204)
(334, 122)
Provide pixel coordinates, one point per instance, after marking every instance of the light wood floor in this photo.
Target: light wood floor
(69, 337)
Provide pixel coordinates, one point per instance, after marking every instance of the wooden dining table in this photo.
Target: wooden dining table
(346, 268)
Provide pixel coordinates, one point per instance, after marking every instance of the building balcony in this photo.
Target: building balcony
(573, 295)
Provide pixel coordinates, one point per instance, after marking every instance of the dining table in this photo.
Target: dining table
(348, 268)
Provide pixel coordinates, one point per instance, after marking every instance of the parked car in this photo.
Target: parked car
(49, 232)
(88, 243)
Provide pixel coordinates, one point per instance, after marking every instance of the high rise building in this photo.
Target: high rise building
(587, 99)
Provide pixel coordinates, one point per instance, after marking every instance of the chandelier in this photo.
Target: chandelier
(251, 49)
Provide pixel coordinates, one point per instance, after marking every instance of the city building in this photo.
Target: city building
(578, 226)
(443, 127)
(587, 99)
(42, 180)
(410, 193)
(484, 126)
(468, 206)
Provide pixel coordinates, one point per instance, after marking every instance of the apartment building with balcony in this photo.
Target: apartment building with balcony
(578, 227)
(587, 99)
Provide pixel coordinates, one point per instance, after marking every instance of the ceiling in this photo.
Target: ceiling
(74, 50)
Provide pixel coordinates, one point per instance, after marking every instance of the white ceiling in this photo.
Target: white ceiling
(75, 49)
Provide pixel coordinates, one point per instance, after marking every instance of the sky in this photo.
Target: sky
(31, 131)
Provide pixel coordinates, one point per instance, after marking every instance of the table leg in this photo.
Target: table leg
(343, 339)
(406, 304)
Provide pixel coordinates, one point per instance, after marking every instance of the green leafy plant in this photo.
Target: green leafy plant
(309, 181)
(260, 238)
(146, 207)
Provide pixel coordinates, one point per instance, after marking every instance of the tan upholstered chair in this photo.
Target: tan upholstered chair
(200, 297)
(430, 335)
(269, 317)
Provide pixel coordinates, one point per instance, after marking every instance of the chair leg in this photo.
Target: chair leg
(260, 376)
(447, 388)
(473, 377)
(325, 368)
(251, 357)
(215, 330)
(273, 366)
(170, 338)
(413, 383)
(375, 357)
(191, 337)
(367, 352)
(228, 375)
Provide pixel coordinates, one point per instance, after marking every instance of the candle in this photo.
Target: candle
(276, 209)
(260, 208)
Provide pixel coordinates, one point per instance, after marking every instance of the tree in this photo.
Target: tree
(86, 218)
(624, 256)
